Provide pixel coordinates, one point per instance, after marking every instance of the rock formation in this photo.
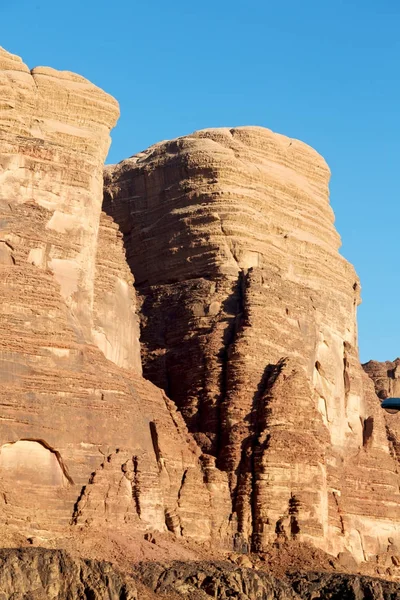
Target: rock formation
(248, 322)
(40, 574)
(263, 428)
(83, 437)
(386, 377)
(222, 581)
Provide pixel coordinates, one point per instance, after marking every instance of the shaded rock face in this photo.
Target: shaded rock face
(40, 574)
(53, 574)
(83, 437)
(248, 322)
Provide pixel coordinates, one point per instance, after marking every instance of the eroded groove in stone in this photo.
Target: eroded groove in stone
(74, 408)
(200, 214)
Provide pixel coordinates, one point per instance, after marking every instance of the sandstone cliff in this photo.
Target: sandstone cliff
(38, 574)
(386, 377)
(222, 581)
(84, 439)
(248, 322)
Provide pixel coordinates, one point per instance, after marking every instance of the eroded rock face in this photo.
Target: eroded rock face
(222, 580)
(115, 322)
(84, 439)
(43, 574)
(211, 580)
(386, 377)
(248, 322)
(386, 380)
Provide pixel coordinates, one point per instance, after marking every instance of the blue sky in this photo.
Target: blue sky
(323, 71)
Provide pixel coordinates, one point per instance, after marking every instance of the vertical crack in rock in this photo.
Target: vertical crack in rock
(182, 483)
(77, 511)
(294, 504)
(198, 214)
(172, 520)
(136, 485)
(394, 445)
(368, 429)
(346, 364)
(336, 498)
(260, 441)
(230, 336)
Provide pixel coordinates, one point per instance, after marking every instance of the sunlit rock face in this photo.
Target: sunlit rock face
(386, 377)
(83, 438)
(248, 321)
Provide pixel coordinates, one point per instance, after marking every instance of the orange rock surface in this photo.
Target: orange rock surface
(84, 439)
(248, 322)
(253, 421)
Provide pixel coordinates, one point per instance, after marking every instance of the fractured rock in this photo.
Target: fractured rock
(248, 322)
(43, 574)
(83, 438)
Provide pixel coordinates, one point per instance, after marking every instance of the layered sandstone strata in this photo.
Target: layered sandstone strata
(248, 322)
(83, 438)
(386, 377)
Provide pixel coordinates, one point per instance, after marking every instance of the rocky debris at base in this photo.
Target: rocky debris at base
(40, 574)
(223, 581)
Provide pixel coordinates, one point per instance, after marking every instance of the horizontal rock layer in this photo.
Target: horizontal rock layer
(84, 439)
(248, 322)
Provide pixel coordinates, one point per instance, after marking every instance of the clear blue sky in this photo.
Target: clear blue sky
(324, 71)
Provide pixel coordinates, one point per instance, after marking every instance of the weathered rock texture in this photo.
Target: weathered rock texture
(248, 322)
(83, 437)
(39, 574)
(386, 377)
(201, 581)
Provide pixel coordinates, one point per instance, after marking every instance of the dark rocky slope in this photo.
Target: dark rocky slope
(223, 581)
(40, 574)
